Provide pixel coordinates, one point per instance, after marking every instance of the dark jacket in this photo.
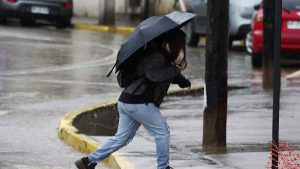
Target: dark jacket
(155, 74)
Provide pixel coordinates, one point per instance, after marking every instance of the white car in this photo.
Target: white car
(240, 17)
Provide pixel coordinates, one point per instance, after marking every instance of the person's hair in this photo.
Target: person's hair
(175, 42)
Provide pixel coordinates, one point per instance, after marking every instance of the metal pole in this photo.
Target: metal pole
(276, 80)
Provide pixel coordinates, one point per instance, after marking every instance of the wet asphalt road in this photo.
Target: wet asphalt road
(45, 72)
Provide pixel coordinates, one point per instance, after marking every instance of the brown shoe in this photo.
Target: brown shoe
(84, 163)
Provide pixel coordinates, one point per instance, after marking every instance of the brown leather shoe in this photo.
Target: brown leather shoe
(84, 163)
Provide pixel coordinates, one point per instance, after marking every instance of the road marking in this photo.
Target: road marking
(105, 61)
(23, 94)
(76, 82)
(3, 112)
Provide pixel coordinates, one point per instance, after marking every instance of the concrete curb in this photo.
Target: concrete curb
(69, 134)
(114, 29)
(293, 75)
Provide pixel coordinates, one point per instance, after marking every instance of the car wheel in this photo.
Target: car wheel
(63, 23)
(230, 43)
(193, 39)
(3, 19)
(256, 60)
(248, 43)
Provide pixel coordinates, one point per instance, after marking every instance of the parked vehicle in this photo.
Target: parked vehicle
(59, 11)
(240, 17)
(290, 33)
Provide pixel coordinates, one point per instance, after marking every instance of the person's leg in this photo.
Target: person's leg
(151, 118)
(126, 130)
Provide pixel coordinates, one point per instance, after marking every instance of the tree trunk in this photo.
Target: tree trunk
(268, 41)
(215, 112)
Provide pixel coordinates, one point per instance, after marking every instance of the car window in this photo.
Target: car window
(291, 5)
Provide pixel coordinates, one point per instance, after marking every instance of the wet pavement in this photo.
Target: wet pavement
(45, 72)
(249, 131)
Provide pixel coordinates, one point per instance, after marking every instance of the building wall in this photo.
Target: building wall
(86, 8)
(164, 6)
(120, 6)
(91, 8)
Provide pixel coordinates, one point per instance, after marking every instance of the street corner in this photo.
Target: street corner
(78, 137)
(69, 134)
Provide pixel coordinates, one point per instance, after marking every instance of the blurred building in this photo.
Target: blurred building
(124, 8)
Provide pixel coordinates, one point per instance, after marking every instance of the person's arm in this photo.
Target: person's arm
(156, 70)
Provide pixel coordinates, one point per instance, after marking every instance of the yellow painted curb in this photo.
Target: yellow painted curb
(117, 29)
(293, 75)
(68, 133)
(185, 91)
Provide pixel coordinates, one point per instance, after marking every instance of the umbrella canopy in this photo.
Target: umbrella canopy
(148, 30)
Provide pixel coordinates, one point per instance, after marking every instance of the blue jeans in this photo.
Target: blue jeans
(131, 116)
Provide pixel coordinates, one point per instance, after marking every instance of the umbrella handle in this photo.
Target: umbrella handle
(109, 73)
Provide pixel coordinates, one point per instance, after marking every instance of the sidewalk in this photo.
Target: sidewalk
(248, 132)
(249, 125)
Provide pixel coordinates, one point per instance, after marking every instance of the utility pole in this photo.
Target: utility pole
(277, 83)
(107, 12)
(268, 43)
(215, 111)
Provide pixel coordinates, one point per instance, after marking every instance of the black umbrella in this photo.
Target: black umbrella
(148, 30)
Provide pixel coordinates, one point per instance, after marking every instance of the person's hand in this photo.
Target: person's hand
(185, 83)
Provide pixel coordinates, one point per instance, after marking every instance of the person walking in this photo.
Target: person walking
(164, 59)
